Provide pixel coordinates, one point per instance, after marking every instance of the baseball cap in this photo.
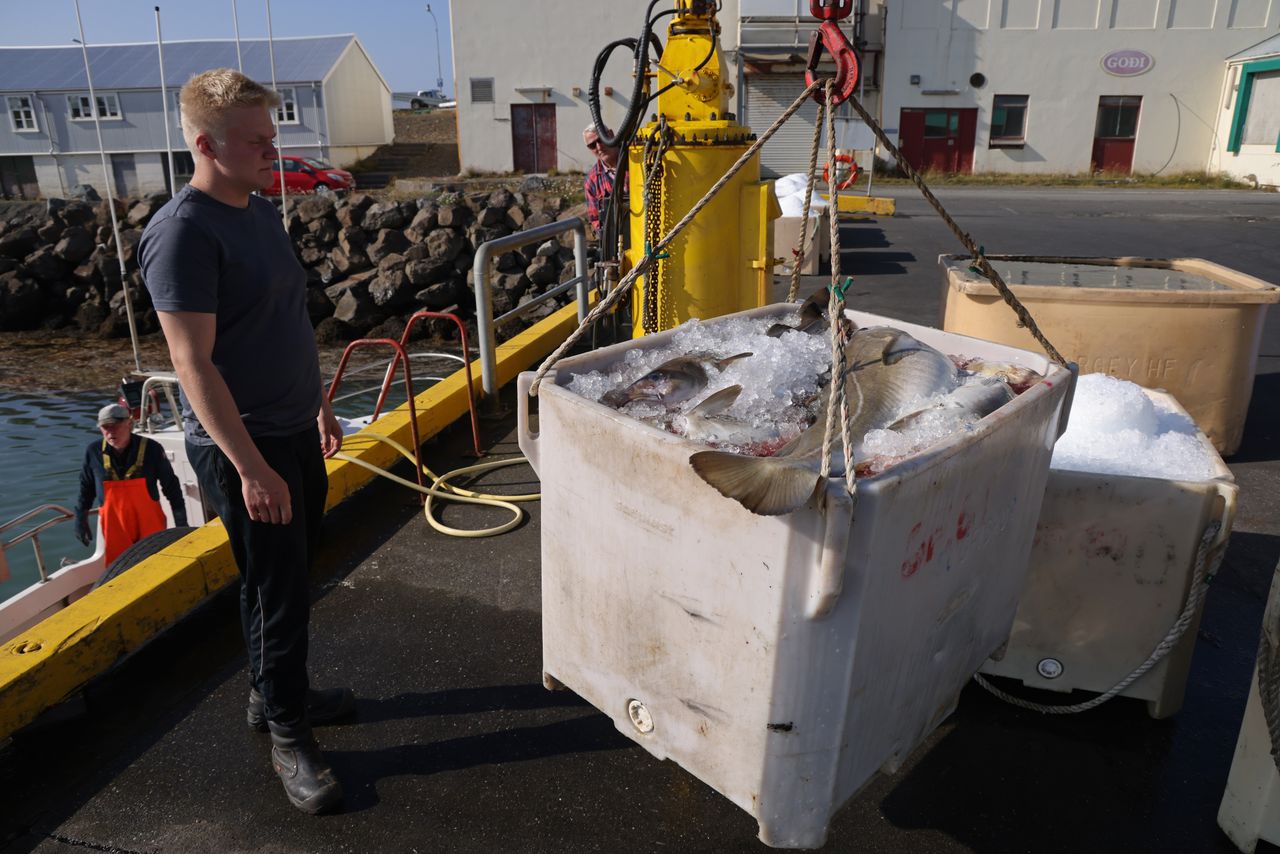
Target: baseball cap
(112, 412)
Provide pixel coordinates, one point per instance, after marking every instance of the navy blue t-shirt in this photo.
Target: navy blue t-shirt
(201, 255)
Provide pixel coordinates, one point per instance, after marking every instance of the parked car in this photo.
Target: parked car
(309, 175)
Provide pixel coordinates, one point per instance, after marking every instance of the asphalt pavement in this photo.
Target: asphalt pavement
(458, 747)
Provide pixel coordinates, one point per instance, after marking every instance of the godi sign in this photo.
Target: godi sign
(1127, 63)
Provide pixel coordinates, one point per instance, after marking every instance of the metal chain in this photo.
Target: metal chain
(1205, 569)
(799, 252)
(624, 287)
(980, 259)
(655, 149)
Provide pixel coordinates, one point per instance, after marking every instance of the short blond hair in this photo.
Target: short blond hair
(207, 97)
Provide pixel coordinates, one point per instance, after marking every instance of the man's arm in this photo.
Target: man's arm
(330, 429)
(169, 484)
(190, 336)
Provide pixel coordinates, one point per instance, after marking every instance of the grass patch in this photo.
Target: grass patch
(1173, 181)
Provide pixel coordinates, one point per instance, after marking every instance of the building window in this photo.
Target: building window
(287, 112)
(939, 124)
(80, 111)
(482, 90)
(1008, 120)
(1117, 117)
(22, 114)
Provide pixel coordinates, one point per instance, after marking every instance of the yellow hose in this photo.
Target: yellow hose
(445, 491)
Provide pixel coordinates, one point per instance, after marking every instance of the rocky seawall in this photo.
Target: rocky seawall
(370, 263)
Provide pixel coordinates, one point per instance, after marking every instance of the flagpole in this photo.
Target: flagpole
(111, 199)
(164, 104)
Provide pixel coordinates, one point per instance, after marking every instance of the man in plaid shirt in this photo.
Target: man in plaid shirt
(599, 183)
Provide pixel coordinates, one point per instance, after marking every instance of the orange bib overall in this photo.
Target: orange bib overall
(128, 512)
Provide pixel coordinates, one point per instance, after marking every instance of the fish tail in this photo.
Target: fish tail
(767, 486)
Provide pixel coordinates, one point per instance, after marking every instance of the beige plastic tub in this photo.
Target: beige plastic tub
(1111, 569)
(1185, 325)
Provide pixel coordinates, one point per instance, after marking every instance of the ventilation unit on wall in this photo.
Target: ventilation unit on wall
(482, 90)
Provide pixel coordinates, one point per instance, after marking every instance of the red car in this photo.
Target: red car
(308, 175)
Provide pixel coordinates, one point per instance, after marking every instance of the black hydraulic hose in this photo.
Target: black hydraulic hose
(635, 107)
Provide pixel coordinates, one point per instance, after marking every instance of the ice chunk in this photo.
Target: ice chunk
(1117, 428)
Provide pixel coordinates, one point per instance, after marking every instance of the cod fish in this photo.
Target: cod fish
(969, 402)
(1015, 375)
(671, 383)
(885, 370)
(707, 423)
(811, 318)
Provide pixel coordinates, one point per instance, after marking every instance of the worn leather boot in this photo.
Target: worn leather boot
(308, 780)
(322, 707)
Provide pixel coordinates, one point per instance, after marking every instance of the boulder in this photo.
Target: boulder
(50, 231)
(425, 219)
(45, 266)
(515, 217)
(510, 262)
(129, 238)
(387, 242)
(142, 211)
(312, 255)
(91, 313)
(501, 199)
(54, 207)
(444, 243)
(391, 290)
(548, 249)
(19, 243)
(325, 230)
(479, 234)
(536, 219)
(75, 246)
(515, 284)
(84, 193)
(325, 271)
(390, 263)
(331, 330)
(542, 271)
(440, 295)
(533, 184)
(102, 212)
(315, 208)
(352, 239)
(454, 216)
(22, 302)
(87, 275)
(429, 271)
(357, 309)
(382, 216)
(346, 263)
(335, 291)
(417, 252)
(490, 217)
(77, 213)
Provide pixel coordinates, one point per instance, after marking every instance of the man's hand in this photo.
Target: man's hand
(266, 496)
(330, 429)
(82, 530)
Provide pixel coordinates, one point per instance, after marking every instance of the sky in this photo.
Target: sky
(398, 34)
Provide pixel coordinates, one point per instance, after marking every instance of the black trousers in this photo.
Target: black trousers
(274, 563)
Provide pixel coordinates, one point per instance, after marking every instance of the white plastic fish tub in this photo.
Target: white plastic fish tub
(1111, 569)
(781, 660)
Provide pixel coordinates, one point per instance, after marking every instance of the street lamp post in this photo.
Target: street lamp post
(439, 64)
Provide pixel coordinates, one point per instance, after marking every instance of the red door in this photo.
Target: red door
(938, 140)
(533, 137)
(1115, 133)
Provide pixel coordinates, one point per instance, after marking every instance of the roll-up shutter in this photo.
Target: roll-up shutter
(788, 151)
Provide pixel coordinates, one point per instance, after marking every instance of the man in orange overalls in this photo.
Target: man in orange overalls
(122, 472)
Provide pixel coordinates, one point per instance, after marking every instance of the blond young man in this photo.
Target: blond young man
(231, 298)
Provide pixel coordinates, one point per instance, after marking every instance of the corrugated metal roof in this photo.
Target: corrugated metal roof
(136, 66)
(1269, 47)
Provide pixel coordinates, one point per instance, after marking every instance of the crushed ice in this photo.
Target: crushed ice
(1116, 428)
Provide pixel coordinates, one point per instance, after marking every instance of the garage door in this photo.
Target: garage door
(788, 151)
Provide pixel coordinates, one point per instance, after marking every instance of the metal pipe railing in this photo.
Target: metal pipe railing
(33, 533)
(485, 322)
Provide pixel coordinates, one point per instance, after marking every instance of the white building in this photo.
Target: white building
(1063, 85)
(964, 85)
(1248, 138)
(522, 73)
(336, 107)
